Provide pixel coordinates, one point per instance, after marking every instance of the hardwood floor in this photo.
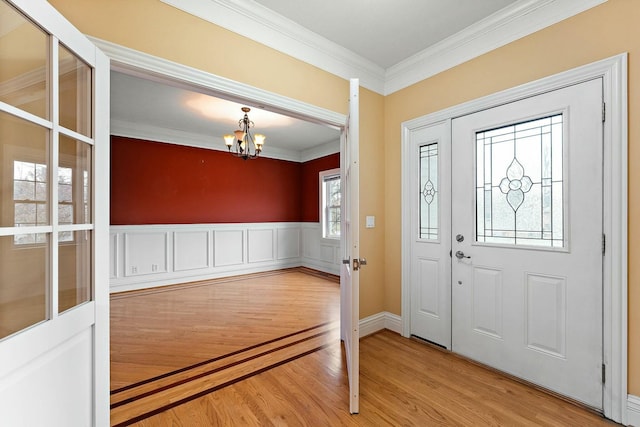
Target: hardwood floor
(264, 350)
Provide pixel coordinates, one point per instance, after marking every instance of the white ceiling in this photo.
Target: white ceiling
(388, 44)
(385, 31)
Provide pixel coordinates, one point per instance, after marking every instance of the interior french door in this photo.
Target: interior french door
(349, 272)
(527, 189)
(54, 115)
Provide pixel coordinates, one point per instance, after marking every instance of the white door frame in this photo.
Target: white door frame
(614, 74)
(151, 67)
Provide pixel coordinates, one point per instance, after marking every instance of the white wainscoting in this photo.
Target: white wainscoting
(145, 256)
(317, 252)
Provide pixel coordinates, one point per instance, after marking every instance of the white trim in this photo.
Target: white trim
(633, 410)
(100, 262)
(515, 21)
(614, 74)
(138, 63)
(188, 139)
(377, 322)
(152, 67)
(147, 252)
(261, 24)
(319, 151)
(272, 29)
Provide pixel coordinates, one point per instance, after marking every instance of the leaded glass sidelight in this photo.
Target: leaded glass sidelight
(429, 191)
(519, 184)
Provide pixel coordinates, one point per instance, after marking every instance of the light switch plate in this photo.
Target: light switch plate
(371, 221)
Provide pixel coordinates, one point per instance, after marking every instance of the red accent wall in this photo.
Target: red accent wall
(311, 187)
(157, 183)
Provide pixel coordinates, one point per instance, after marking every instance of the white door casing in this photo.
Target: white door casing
(430, 233)
(613, 72)
(139, 63)
(532, 311)
(63, 362)
(350, 242)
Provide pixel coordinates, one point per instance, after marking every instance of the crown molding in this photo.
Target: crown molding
(505, 26)
(189, 139)
(518, 20)
(319, 151)
(274, 30)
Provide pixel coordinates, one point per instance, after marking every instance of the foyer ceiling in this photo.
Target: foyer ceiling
(388, 44)
(385, 32)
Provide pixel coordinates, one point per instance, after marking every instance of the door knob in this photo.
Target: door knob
(460, 255)
(357, 263)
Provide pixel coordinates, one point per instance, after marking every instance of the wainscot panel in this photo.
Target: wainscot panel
(317, 252)
(160, 255)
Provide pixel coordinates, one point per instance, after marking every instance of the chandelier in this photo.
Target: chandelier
(244, 144)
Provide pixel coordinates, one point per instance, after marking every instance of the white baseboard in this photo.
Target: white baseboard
(168, 279)
(633, 410)
(380, 321)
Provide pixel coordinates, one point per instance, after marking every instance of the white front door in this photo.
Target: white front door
(350, 244)
(527, 268)
(54, 170)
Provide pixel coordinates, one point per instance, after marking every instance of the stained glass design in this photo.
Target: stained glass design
(429, 191)
(519, 184)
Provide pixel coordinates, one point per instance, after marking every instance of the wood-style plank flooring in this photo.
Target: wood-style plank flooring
(264, 350)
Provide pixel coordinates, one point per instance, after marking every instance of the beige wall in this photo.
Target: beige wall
(604, 31)
(157, 29)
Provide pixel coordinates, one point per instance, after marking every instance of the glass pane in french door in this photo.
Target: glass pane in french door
(24, 57)
(24, 282)
(75, 93)
(24, 195)
(74, 181)
(74, 268)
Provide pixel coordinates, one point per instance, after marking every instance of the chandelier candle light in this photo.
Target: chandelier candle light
(243, 139)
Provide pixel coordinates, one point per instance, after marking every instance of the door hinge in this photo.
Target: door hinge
(604, 243)
(604, 111)
(604, 373)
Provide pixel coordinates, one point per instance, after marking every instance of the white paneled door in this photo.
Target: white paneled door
(350, 242)
(527, 239)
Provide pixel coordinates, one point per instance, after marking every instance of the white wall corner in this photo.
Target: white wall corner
(633, 410)
(319, 151)
(377, 322)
